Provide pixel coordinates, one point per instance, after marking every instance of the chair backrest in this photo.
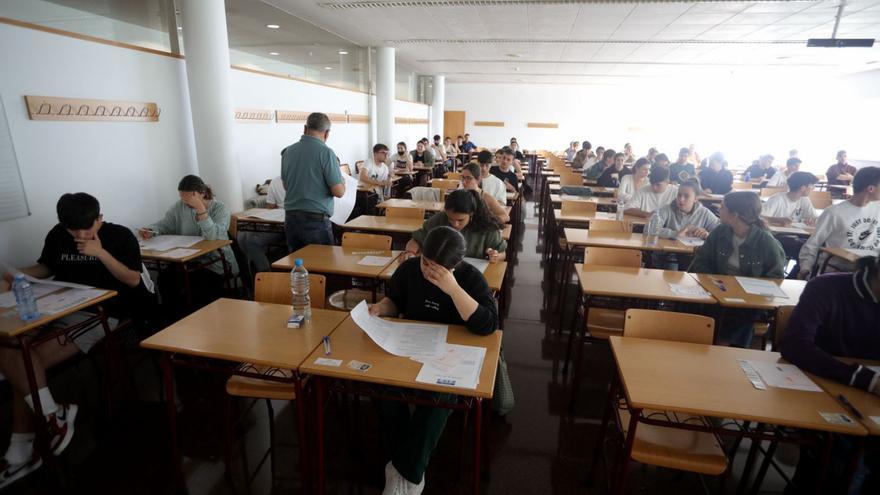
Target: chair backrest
(452, 175)
(579, 207)
(357, 166)
(610, 226)
(421, 193)
(667, 325)
(345, 169)
(569, 179)
(398, 212)
(274, 287)
(783, 313)
(631, 258)
(366, 241)
(741, 186)
(445, 184)
(820, 199)
(770, 191)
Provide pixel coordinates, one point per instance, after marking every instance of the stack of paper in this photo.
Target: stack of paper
(688, 290)
(179, 253)
(274, 215)
(760, 287)
(478, 263)
(691, 241)
(7, 299)
(790, 230)
(413, 340)
(56, 303)
(166, 242)
(783, 376)
(459, 367)
(374, 260)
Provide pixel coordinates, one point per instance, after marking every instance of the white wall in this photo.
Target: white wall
(410, 133)
(743, 116)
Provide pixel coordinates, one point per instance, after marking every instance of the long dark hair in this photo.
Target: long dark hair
(474, 169)
(445, 246)
(469, 202)
(194, 183)
(747, 206)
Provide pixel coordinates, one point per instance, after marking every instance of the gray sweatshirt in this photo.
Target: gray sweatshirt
(180, 219)
(672, 220)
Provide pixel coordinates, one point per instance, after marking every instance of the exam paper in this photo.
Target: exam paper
(459, 367)
(401, 338)
(56, 303)
(478, 263)
(784, 376)
(343, 206)
(760, 287)
(7, 299)
(273, 215)
(166, 242)
(374, 260)
(179, 253)
(790, 230)
(691, 241)
(688, 290)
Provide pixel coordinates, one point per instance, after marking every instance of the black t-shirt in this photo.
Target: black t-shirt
(756, 172)
(419, 299)
(509, 176)
(68, 265)
(720, 182)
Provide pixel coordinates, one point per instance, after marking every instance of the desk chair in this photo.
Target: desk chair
(770, 191)
(610, 226)
(570, 179)
(348, 298)
(345, 169)
(559, 244)
(445, 185)
(398, 212)
(269, 287)
(662, 446)
(820, 199)
(357, 167)
(452, 175)
(739, 185)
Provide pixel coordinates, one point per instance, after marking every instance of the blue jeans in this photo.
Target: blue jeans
(302, 229)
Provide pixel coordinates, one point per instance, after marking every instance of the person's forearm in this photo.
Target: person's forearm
(413, 247)
(387, 307)
(121, 272)
(464, 303)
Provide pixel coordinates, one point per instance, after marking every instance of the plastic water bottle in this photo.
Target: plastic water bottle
(299, 288)
(652, 230)
(24, 298)
(621, 207)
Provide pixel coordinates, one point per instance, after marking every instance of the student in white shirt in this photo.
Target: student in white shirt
(794, 205)
(852, 224)
(654, 196)
(256, 245)
(630, 183)
(439, 150)
(489, 183)
(791, 166)
(375, 172)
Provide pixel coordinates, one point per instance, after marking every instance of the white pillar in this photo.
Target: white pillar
(385, 96)
(438, 103)
(210, 97)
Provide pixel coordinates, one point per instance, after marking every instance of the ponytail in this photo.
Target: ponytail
(747, 206)
(194, 183)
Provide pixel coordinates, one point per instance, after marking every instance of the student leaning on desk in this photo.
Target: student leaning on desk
(436, 287)
(838, 316)
(82, 249)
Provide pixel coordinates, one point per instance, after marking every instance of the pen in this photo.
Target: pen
(843, 400)
(719, 284)
(327, 345)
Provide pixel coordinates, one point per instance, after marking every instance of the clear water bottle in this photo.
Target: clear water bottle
(24, 298)
(621, 208)
(652, 230)
(299, 288)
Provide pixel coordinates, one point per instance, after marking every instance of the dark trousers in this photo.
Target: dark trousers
(412, 437)
(304, 228)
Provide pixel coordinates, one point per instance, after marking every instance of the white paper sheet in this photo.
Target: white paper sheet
(273, 215)
(799, 225)
(688, 290)
(56, 283)
(790, 230)
(7, 299)
(343, 206)
(166, 242)
(56, 303)
(415, 340)
(760, 287)
(478, 263)
(784, 376)
(691, 241)
(459, 367)
(374, 260)
(179, 253)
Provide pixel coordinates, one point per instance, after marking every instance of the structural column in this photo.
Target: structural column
(385, 95)
(210, 97)
(438, 103)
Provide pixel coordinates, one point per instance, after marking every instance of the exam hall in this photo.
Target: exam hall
(405, 247)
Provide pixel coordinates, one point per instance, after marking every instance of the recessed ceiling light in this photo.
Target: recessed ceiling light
(272, 26)
(328, 68)
(343, 52)
(273, 53)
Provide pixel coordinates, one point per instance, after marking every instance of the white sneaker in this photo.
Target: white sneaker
(61, 426)
(10, 473)
(395, 484)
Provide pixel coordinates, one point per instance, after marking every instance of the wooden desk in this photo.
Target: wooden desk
(244, 222)
(382, 224)
(711, 198)
(867, 403)
(335, 260)
(637, 283)
(622, 240)
(204, 247)
(735, 297)
(634, 220)
(432, 206)
(800, 232)
(12, 326)
(842, 253)
(557, 199)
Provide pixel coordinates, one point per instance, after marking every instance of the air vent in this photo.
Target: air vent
(393, 4)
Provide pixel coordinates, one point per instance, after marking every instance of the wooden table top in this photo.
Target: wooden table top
(711, 198)
(349, 342)
(600, 215)
(246, 331)
(336, 260)
(557, 199)
(204, 247)
(384, 224)
(803, 232)
(865, 402)
(243, 216)
(637, 283)
(11, 325)
(842, 253)
(434, 206)
(736, 297)
(707, 380)
(494, 273)
(624, 240)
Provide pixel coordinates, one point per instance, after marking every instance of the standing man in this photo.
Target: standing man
(841, 173)
(311, 176)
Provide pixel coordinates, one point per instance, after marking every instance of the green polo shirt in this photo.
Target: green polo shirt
(309, 169)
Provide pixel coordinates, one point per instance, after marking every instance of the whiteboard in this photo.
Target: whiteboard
(13, 203)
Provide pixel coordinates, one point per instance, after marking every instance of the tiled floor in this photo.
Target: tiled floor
(539, 448)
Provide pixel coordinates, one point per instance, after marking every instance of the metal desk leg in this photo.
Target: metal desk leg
(824, 463)
(619, 485)
(171, 409)
(600, 438)
(304, 446)
(319, 433)
(750, 461)
(478, 431)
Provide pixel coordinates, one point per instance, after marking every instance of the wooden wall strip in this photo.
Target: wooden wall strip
(358, 119)
(409, 120)
(487, 123)
(290, 116)
(543, 125)
(254, 115)
(58, 108)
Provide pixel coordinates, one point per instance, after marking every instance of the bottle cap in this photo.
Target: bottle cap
(19, 276)
(298, 262)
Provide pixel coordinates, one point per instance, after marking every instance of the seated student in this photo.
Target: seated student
(837, 317)
(792, 206)
(762, 168)
(450, 149)
(681, 170)
(421, 157)
(488, 182)
(197, 213)
(402, 164)
(841, 173)
(470, 180)
(465, 212)
(505, 172)
(436, 287)
(792, 165)
(630, 183)
(580, 158)
(714, 177)
(82, 249)
(693, 156)
(611, 176)
(598, 168)
(439, 150)
(467, 146)
(660, 161)
(375, 172)
(255, 245)
(684, 217)
(742, 246)
(517, 153)
(653, 196)
(652, 154)
(571, 151)
(628, 155)
(852, 224)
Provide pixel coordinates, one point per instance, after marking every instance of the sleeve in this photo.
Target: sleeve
(810, 249)
(49, 255)
(127, 251)
(168, 224)
(216, 225)
(494, 241)
(397, 289)
(809, 210)
(799, 346)
(767, 209)
(484, 320)
(664, 214)
(514, 180)
(332, 174)
(726, 181)
(435, 221)
(639, 200)
(273, 196)
(429, 159)
(704, 260)
(832, 173)
(774, 259)
(711, 221)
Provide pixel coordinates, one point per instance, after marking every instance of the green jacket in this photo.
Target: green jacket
(760, 255)
(477, 241)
